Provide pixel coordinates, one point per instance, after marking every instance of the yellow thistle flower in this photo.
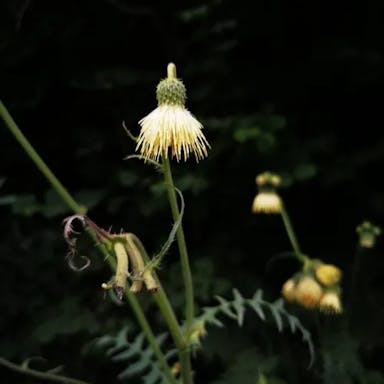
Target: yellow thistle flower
(330, 303)
(171, 127)
(289, 290)
(308, 292)
(267, 202)
(328, 274)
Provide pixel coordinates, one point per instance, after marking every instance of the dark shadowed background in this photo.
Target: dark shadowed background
(290, 87)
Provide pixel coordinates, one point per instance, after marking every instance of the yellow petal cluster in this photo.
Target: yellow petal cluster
(328, 274)
(308, 292)
(171, 130)
(330, 303)
(267, 202)
(315, 287)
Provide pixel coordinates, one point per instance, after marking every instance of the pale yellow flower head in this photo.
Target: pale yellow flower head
(330, 303)
(170, 129)
(328, 274)
(267, 202)
(308, 292)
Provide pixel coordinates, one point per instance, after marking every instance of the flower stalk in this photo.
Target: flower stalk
(184, 259)
(292, 235)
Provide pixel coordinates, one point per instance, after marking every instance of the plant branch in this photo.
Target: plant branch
(38, 374)
(41, 165)
(168, 313)
(185, 267)
(292, 236)
(76, 208)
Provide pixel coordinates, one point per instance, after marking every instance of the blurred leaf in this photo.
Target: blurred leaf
(26, 205)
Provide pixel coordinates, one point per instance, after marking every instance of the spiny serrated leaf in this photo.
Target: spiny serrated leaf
(133, 349)
(292, 321)
(277, 316)
(170, 354)
(134, 369)
(256, 306)
(215, 321)
(238, 304)
(225, 307)
(153, 377)
(104, 341)
(258, 296)
(161, 338)
(120, 342)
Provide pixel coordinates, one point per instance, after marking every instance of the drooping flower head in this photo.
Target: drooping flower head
(267, 200)
(316, 286)
(170, 129)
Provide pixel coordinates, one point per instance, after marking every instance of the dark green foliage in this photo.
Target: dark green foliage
(137, 355)
(235, 309)
(281, 87)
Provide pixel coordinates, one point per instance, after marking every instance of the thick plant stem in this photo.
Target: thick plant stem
(46, 376)
(169, 316)
(141, 319)
(292, 236)
(76, 208)
(186, 270)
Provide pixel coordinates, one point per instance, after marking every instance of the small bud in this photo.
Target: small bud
(268, 179)
(368, 234)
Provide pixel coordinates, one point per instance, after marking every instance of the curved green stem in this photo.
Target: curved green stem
(141, 319)
(38, 374)
(292, 236)
(76, 208)
(185, 267)
(168, 313)
(35, 157)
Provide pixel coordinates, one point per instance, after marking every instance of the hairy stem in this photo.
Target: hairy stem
(292, 236)
(76, 208)
(48, 376)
